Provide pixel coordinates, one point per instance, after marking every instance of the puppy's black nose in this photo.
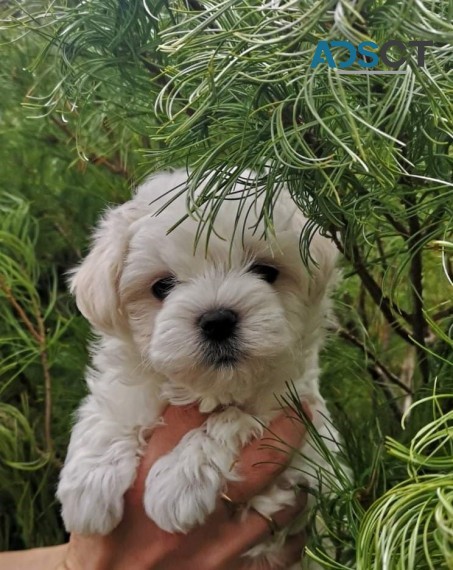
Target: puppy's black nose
(218, 324)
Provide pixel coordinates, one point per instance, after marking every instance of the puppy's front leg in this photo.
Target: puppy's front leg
(183, 486)
(99, 468)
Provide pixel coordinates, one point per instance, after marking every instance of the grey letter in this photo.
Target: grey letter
(383, 53)
(421, 44)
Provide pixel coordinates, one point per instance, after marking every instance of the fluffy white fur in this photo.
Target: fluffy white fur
(151, 352)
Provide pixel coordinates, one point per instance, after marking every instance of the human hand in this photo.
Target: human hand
(138, 544)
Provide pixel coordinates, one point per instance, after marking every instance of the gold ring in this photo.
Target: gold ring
(273, 526)
(226, 498)
(232, 507)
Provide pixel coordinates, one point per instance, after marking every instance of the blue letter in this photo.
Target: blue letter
(367, 54)
(352, 52)
(322, 46)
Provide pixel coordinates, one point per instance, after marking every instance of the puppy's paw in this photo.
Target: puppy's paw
(93, 505)
(274, 500)
(180, 492)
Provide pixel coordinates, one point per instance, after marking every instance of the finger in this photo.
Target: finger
(263, 459)
(290, 554)
(177, 421)
(254, 528)
(294, 546)
(36, 558)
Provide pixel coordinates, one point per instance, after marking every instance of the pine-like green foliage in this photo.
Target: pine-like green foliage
(411, 525)
(49, 201)
(227, 85)
(29, 351)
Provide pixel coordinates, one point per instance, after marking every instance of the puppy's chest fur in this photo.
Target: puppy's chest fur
(182, 488)
(135, 395)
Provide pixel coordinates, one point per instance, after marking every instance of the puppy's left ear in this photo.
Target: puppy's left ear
(95, 281)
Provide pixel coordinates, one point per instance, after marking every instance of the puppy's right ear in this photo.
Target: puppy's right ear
(95, 281)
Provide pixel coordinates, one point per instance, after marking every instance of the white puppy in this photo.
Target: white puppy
(225, 325)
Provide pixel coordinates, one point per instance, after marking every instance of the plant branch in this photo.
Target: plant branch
(443, 314)
(379, 369)
(386, 306)
(47, 383)
(19, 310)
(39, 336)
(398, 226)
(419, 323)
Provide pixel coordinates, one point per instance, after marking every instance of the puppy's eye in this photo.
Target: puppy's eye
(266, 272)
(160, 289)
